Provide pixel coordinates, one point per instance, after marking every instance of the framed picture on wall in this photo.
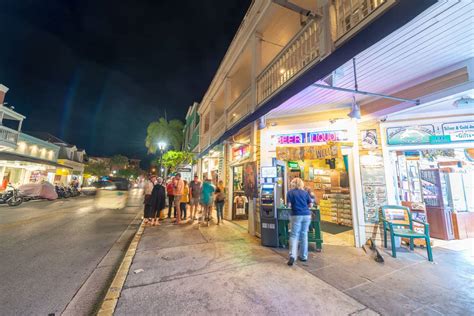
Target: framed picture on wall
(369, 139)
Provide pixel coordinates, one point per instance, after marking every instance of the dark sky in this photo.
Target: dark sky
(95, 73)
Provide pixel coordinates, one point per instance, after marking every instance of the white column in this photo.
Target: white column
(212, 115)
(227, 98)
(358, 220)
(255, 69)
(326, 44)
(20, 125)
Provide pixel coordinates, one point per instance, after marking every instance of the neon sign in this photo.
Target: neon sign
(311, 137)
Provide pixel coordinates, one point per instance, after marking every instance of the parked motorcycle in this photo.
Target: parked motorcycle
(74, 191)
(11, 196)
(62, 192)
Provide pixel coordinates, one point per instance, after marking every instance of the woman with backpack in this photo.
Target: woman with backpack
(220, 200)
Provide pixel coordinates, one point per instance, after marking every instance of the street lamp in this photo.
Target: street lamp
(161, 149)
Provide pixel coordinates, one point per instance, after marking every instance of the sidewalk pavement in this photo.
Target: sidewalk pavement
(221, 270)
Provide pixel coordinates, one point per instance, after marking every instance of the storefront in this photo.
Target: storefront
(323, 156)
(69, 171)
(430, 168)
(212, 165)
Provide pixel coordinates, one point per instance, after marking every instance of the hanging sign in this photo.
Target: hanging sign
(410, 135)
(309, 152)
(460, 131)
(310, 137)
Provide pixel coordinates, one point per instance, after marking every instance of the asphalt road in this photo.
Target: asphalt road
(48, 250)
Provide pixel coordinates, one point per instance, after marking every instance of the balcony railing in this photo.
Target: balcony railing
(349, 13)
(301, 51)
(8, 135)
(218, 128)
(239, 108)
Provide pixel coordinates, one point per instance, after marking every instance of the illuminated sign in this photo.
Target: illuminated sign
(311, 137)
(460, 131)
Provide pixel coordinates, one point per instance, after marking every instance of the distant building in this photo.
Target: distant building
(23, 158)
(134, 163)
(191, 138)
(71, 157)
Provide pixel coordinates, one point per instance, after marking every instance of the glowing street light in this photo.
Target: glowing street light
(161, 145)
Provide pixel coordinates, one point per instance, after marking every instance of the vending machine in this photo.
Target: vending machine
(270, 198)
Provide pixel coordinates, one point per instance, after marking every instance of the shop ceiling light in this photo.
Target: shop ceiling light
(355, 111)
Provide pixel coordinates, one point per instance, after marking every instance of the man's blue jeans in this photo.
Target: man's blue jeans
(299, 231)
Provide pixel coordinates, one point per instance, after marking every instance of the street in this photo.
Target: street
(49, 250)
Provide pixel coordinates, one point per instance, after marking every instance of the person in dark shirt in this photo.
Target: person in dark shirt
(158, 201)
(300, 202)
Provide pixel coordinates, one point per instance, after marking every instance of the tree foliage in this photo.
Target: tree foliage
(170, 132)
(97, 169)
(173, 158)
(119, 161)
(129, 172)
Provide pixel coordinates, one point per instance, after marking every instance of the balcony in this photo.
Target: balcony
(351, 15)
(300, 52)
(218, 128)
(8, 137)
(239, 108)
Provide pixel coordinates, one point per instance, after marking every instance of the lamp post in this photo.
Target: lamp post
(161, 149)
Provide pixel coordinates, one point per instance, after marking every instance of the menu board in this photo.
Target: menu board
(373, 188)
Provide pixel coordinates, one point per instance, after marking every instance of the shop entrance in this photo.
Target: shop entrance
(328, 180)
(240, 202)
(438, 185)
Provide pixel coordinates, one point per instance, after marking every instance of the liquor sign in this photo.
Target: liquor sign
(410, 135)
(311, 137)
(459, 131)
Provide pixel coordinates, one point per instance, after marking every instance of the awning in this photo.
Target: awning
(9, 156)
(396, 17)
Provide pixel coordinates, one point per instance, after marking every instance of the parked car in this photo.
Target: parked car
(99, 185)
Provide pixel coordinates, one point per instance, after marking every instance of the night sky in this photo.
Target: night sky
(95, 73)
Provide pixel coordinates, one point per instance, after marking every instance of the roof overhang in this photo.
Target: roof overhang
(394, 18)
(8, 156)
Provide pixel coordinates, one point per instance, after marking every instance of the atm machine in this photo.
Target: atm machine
(270, 198)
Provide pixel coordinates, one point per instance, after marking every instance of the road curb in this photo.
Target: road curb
(113, 293)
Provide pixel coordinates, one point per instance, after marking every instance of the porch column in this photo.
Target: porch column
(227, 98)
(212, 115)
(255, 69)
(326, 44)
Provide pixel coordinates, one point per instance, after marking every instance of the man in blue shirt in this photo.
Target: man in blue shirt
(300, 202)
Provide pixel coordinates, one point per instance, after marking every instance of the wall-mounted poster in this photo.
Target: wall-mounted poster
(369, 139)
(410, 135)
(250, 180)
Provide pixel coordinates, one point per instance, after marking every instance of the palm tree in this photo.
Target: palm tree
(170, 132)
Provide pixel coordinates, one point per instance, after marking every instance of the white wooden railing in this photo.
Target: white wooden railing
(217, 128)
(8, 135)
(349, 13)
(302, 50)
(239, 108)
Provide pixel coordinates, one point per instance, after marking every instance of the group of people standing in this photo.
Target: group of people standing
(199, 196)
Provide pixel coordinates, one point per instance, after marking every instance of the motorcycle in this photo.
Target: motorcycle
(62, 192)
(74, 191)
(11, 197)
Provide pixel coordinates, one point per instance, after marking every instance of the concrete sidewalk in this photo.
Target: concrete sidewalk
(221, 270)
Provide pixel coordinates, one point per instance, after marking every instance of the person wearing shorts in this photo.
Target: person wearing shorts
(207, 198)
(195, 189)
